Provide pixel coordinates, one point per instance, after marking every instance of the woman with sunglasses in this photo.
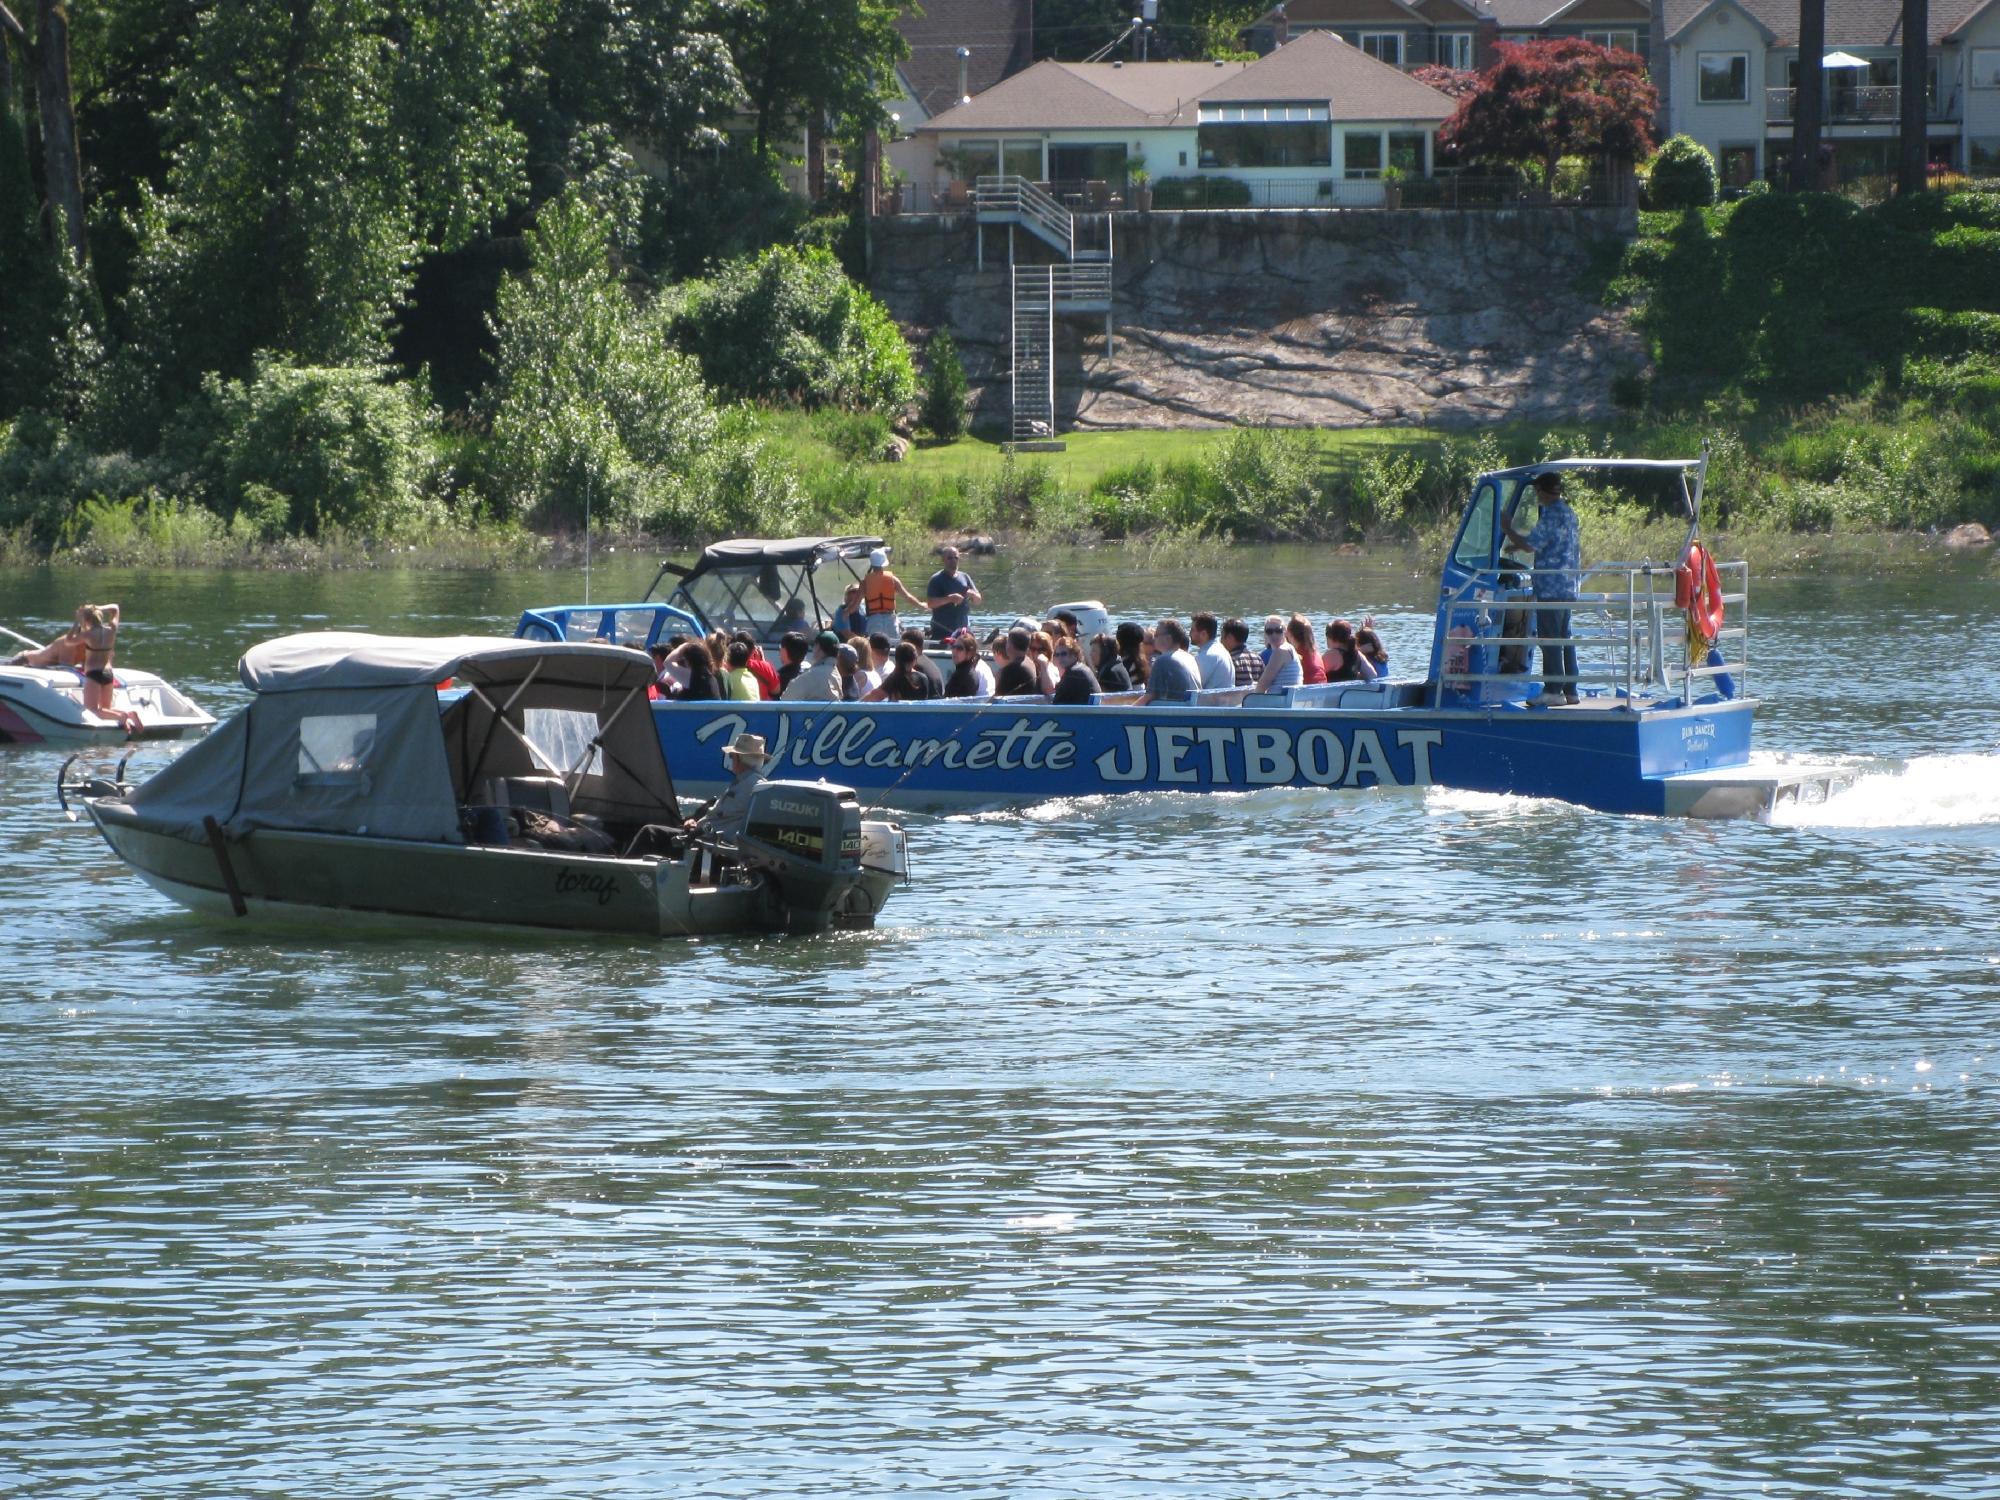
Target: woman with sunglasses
(970, 676)
(1078, 683)
(1281, 661)
(1042, 658)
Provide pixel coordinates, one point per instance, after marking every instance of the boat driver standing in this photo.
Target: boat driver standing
(1558, 549)
(728, 815)
(950, 595)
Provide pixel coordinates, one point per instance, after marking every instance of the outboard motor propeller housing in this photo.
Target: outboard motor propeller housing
(805, 837)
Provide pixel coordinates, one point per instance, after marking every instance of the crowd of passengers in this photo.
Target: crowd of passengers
(1165, 662)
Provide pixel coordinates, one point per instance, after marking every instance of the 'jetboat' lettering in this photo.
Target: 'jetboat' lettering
(1183, 754)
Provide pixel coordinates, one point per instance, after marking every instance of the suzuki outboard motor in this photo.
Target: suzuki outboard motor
(805, 836)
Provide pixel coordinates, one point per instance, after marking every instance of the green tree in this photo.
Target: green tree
(31, 304)
(318, 146)
(659, 71)
(808, 61)
(588, 404)
(944, 387)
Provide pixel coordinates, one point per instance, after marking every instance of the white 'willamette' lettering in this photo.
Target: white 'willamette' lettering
(1190, 755)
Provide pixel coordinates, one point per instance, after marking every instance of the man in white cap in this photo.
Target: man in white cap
(728, 815)
(879, 590)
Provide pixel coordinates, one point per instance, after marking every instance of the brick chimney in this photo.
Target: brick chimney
(1484, 35)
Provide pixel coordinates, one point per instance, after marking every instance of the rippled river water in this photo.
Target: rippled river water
(1289, 1144)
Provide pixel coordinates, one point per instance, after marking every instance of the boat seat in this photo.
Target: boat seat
(541, 793)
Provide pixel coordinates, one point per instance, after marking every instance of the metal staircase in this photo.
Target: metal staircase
(1079, 283)
(1033, 342)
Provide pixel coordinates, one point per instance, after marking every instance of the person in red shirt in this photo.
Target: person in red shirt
(767, 675)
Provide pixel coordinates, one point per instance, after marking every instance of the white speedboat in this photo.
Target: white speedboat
(533, 795)
(45, 705)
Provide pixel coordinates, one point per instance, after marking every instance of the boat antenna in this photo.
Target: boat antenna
(586, 536)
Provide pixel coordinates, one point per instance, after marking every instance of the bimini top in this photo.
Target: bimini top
(1557, 465)
(335, 659)
(749, 551)
(348, 734)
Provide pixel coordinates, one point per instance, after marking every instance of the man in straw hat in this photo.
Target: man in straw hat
(728, 815)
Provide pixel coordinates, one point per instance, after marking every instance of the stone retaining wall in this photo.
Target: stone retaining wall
(1303, 318)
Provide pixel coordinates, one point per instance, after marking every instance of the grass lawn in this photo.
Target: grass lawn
(1088, 455)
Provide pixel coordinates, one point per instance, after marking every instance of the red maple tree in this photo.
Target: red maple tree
(1542, 101)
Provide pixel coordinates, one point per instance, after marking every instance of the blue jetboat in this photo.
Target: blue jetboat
(1662, 724)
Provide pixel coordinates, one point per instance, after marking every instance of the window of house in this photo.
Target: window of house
(1617, 41)
(1724, 77)
(973, 160)
(1986, 67)
(334, 748)
(1022, 159)
(1982, 154)
(1406, 152)
(1455, 50)
(1362, 153)
(1264, 135)
(1384, 46)
(1738, 165)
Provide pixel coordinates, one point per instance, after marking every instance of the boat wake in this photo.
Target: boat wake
(1925, 791)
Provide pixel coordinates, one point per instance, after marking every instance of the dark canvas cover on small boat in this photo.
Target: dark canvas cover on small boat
(346, 735)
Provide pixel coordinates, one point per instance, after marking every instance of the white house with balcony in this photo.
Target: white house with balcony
(1736, 76)
(1315, 123)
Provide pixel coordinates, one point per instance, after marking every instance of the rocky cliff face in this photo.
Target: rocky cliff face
(1329, 319)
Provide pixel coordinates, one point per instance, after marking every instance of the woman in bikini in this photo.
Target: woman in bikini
(66, 650)
(99, 623)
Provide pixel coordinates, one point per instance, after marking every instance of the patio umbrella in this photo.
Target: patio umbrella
(1843, 60)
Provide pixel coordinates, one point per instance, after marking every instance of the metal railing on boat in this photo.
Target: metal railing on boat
(1619, 631)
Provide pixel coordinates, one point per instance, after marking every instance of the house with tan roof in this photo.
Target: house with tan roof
(1315, 122)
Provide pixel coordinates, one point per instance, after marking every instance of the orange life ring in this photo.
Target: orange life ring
(1698, 590)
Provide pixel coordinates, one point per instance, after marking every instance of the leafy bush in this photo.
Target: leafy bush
(790, 325)
(1682, 175)
(149, 528)
(1384, 490)
(591, 410)
(46, 474)
(857, 436)
(1264, 482)
(333, 448)
(944, 387)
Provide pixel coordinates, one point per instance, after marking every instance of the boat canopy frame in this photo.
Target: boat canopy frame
(747, 568)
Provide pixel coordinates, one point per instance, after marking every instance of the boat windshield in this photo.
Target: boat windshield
(1478, 541)
(755, 598)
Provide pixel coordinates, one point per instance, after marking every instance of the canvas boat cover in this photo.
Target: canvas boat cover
(750, 551)
(346, 735)
(351, 659)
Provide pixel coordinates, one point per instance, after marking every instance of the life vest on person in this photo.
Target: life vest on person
(879, 596)
(1698, 591)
